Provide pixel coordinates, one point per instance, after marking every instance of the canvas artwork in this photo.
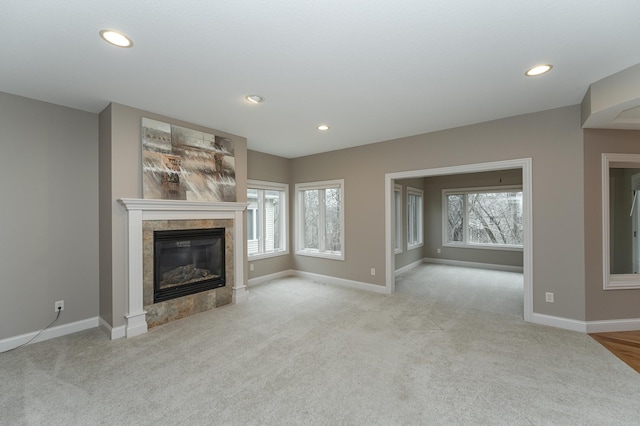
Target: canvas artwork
(186, 164)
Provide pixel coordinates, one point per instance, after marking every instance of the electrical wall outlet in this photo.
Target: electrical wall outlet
(548, 297)
(251, 267)
(373, 271)
(59, 305)
(439, 250)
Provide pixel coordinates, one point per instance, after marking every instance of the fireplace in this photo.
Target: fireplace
(187, 261)
(144, 217)
(186, 280)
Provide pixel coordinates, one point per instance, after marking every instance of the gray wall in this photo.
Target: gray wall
(49, 215)
(271, 168)
(121, 168)
(553, 139)
(601, 304)
(433, 217)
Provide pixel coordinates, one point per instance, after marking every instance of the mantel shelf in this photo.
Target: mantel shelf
(180, 205)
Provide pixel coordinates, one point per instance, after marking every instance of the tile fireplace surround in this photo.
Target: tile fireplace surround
(141, 210)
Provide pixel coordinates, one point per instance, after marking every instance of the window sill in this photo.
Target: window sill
(483, 247)
(323, 255)
(415, 246)
(622, 282)
(259, 256)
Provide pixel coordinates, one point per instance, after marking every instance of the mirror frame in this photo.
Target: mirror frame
(614, 281)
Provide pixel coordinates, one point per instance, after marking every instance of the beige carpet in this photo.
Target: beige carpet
(455, 288)
(302, 352)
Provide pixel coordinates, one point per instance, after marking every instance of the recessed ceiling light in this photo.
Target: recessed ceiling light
(538, 69)
(116, 38)
(254, 99)
(323, 127)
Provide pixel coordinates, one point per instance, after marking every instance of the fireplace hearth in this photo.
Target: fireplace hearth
(187, 261)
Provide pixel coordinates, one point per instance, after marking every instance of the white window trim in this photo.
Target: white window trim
(419, 192)
(614, 281)
(465, 243)
(398, 218)
(274, 186)
(299, 234)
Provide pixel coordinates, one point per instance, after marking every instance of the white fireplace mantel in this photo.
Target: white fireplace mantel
(140, 210)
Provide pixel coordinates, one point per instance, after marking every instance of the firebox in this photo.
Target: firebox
(187, 261)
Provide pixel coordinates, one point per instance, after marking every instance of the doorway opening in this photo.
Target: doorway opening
(527, 252)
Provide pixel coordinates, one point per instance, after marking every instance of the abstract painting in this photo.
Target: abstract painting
(186, 164)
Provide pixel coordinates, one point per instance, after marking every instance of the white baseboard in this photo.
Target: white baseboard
(477, 265)
(61, 330)
(112, 332)
(318, 277)
(409, 267)
(605, 326)
(342, 282)
(559, 322)
(270, 277)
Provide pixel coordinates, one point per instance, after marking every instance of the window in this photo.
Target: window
(320, 219)
(483, 217)
(398, 212)
(252, 215)
(266, 219)
(414, 218)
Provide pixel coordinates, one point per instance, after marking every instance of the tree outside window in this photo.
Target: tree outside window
(320, 218)
(483, 216)
(455, 217)
(311, 209)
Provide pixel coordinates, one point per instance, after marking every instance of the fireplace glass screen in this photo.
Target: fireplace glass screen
(187, 261)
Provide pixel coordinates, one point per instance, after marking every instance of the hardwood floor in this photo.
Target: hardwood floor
(623, 344)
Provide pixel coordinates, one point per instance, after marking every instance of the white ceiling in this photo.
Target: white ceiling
(373, 70)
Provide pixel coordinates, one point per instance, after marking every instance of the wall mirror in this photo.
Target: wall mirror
(621, 221)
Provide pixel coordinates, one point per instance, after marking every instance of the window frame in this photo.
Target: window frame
(465, 230)
(260, 218)
(420, 221)
(399, 237)
(299, 211)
